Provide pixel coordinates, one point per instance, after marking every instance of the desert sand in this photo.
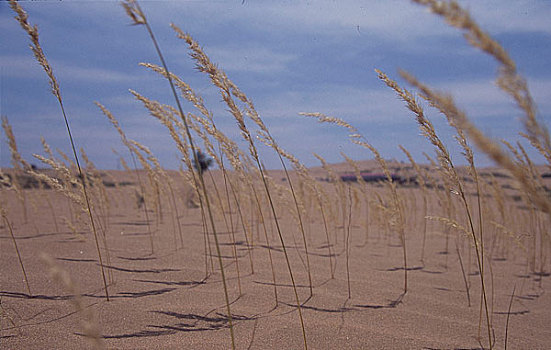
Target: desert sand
(172, 298)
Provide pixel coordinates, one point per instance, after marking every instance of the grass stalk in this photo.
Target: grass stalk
(267, 138)
(230, 230)
(10, 229)
(508, 316)
(136, 147)
(363, 186)
(446, 106)
(339, 190)
(41, 58)
(135, 12)
(265, 230)
(397, 208)
(423, 184)
(347, 242)
(176, 215)
(320, 203)
(467, 287)
(227, 88)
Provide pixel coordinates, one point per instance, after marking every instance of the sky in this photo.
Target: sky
(286, 56)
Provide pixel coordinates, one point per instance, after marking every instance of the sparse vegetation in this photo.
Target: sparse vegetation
(354, 231)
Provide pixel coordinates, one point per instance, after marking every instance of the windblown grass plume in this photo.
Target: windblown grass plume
(133, 9)
(396, 209)
(227, 89)
(132, 150)
(39, 55)
(509, 80)
(450, 172)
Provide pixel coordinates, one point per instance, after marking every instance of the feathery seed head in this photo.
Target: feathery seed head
(134, 11)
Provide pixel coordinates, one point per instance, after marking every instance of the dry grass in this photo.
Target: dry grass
(460, 204)
(22, 18)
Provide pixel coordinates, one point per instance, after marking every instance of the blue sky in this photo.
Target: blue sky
(287, 56)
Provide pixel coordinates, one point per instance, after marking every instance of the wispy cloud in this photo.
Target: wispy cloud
(25, 66)
(253, 59)
(287, 56)
(399, 20)
(19, 66)
(94, 74)
(482, 98)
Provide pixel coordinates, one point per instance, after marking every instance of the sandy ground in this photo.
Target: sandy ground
(162, 300)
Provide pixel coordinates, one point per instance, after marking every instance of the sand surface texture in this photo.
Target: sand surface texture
(166, 289)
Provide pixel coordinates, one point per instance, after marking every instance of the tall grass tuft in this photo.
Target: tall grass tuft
(228, 90)
(135, 12)
(132, 150)
(448, 169)
(39, 55)
(511, 82)
(396, 209)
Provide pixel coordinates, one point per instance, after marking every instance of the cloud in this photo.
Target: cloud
(93, 74)
(511, 16)
(399, 18)
(19, 66)
(252, 59)
(401, 21)
(25, 66)
(356, 105)
(482, 98)
(287, 56)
